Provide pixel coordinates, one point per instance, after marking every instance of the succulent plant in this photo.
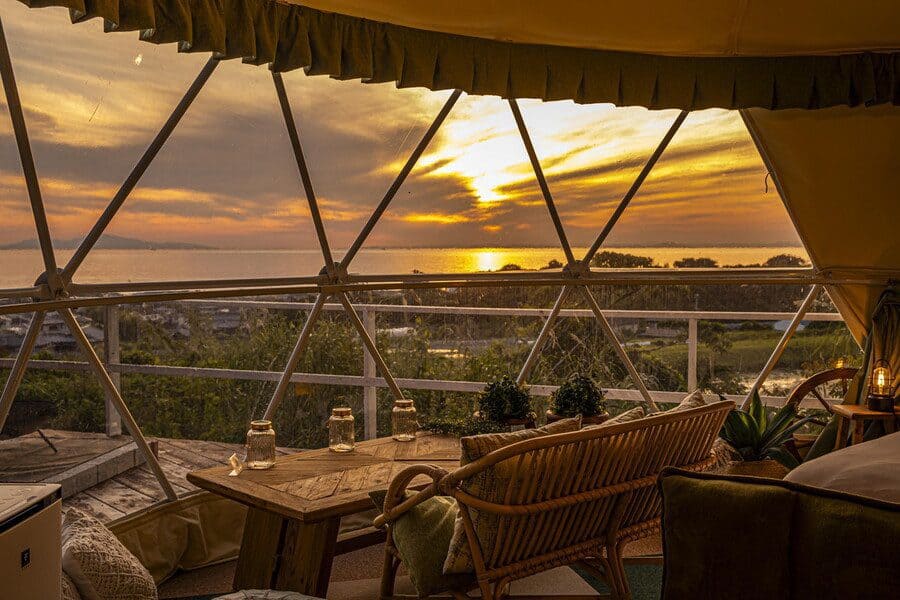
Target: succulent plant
(755, 436)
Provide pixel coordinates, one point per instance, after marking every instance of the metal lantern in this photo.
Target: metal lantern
(881, 397)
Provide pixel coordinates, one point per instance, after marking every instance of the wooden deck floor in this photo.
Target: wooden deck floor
(137, 488)
(124, 493)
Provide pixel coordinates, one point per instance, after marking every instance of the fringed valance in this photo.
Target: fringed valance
(287, 37)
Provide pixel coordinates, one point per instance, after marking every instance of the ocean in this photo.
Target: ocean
(19, 268)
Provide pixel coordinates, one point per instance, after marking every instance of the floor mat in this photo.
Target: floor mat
(645, 580)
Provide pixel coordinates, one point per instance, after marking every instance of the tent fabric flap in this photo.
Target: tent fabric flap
(194, 531)
(838, 173)
(289, 36)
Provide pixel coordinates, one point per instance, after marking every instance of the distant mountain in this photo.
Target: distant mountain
(109, 242)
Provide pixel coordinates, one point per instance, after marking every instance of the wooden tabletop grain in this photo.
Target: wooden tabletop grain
(313, 485)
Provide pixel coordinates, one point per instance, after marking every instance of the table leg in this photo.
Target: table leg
(286, 554)
(840, 438)
(260, 548)
(306, 556)
(859, 429)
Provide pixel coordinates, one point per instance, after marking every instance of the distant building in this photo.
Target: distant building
(54, 335)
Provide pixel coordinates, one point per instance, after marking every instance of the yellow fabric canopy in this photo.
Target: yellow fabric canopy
(711, 53)
(839, 173)
(665, 27)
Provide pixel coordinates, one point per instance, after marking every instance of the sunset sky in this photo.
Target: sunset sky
(227, 178)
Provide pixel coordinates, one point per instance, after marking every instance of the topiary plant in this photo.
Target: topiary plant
(504, 399)
(579, 395)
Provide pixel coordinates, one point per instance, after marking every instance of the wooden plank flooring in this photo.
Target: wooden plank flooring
(113, 492)
(137, 488)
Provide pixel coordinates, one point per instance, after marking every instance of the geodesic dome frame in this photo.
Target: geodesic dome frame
(818, 97)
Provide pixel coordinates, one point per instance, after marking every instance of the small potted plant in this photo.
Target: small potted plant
(578, 395)
(759, 440)
(506, 402)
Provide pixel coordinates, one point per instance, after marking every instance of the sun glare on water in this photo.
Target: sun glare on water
(487, 260)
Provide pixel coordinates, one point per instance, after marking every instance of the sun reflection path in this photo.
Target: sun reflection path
(487, 260)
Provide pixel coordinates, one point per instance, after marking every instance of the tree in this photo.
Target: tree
(696, 263)
(621, 260)
(553, 264)
(714, 336)
(785, 260)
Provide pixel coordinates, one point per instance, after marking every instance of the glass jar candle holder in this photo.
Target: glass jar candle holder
(403, 421)
(260, 445)
(341, 430)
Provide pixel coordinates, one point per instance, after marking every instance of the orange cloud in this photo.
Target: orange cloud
(434, 217)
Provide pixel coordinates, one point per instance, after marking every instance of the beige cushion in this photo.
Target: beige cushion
(491, 485)
(69, 591)
(693, 400)
(869, 469)
(99, 565)
(629, 415)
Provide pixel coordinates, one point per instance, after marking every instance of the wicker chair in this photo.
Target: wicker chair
(579, 497)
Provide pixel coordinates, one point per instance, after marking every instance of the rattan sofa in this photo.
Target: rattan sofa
(568, 497)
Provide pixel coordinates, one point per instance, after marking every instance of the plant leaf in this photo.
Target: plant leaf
(758, 412)
(740, 430)
(783, 456)
(780, 421)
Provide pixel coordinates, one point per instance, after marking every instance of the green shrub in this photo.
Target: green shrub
(468, 425)
(504, 399)
(579, 395)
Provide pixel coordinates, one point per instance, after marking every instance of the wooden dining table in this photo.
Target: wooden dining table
(295, 508)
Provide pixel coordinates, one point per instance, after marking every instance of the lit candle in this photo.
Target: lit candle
(881, 381)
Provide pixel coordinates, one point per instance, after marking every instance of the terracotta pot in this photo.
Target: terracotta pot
(594, 420)
(771, 469)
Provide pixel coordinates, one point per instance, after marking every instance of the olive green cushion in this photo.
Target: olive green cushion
(745, 538)
(422, 536)
(710, 525)
(853, 545)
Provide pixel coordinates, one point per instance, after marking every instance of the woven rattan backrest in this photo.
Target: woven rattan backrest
(571, 489)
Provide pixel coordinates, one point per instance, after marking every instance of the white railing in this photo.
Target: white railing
(369, 381)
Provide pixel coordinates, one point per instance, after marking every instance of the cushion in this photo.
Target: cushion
(629, 415)
(99, 565)
(422, 536)
(69, 591)
(692, 400)
(869, 469)
(711, 527)
(490, 485)
(747, 538)
(473, 447)
(854, 543)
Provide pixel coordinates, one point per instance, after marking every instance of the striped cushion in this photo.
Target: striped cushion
(491, 485)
